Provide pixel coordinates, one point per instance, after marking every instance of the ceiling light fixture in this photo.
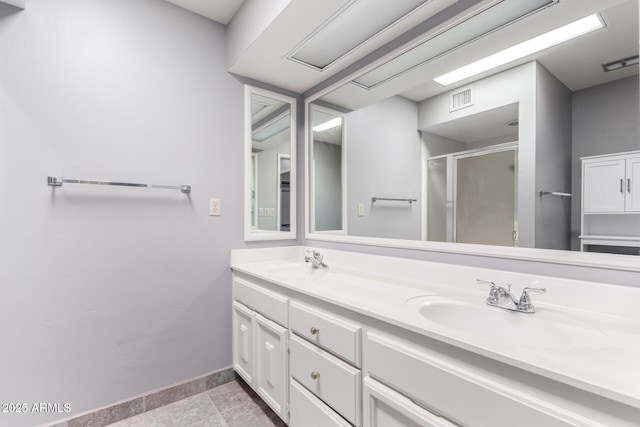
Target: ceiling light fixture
(526, 48)
(328, 125)
(621, 63)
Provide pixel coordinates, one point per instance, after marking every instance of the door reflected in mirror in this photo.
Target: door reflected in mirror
(269, 163)
(471, 178)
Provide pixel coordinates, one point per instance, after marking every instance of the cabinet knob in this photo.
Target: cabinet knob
(315, 375)
(314, 330)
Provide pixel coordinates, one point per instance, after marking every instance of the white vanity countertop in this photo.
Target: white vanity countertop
(605, 360)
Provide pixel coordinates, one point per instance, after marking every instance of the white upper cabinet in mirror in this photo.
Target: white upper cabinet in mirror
(490, 164)
(270, 159)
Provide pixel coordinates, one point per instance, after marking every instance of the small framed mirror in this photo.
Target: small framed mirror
(269, 159)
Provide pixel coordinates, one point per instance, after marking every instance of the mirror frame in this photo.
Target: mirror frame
(561, 257)
(251, 233)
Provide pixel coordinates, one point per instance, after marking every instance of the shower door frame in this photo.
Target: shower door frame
(511, 146)
(452, 160)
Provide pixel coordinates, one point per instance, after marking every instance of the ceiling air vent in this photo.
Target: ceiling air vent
(462, 98)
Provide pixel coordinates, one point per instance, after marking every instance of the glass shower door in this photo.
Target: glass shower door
(485, 202)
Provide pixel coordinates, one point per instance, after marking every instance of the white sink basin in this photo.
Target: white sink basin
(544, 329)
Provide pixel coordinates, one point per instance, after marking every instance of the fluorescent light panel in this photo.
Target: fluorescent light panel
(353, 26)
(473, 28)
(257, 107)
(274, 127)
(328, 125)
(521, 50)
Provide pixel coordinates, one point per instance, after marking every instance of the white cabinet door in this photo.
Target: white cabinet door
(384, 407)
(271, 380)
(604, 186)
(243, 341)
(633, 185)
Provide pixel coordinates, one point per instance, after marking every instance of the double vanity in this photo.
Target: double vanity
(336, 338)
(487, 168)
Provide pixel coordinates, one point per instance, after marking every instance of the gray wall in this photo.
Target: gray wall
(606, 119)
(553, 161)
(328, 185)
(112, 292)
(384, 162)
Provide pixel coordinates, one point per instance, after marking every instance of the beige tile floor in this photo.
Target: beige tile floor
(232, 404)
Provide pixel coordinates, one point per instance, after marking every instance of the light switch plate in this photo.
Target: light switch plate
(260, 211)
(214, 207)
(360, 209)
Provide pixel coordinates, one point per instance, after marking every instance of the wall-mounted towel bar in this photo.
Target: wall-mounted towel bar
(554, 193)
(57, 181)
(375, 199)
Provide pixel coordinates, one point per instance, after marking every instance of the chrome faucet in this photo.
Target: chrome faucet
(498, 294)
(315, 259)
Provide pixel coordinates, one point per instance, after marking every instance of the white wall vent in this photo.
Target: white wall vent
(461, 98)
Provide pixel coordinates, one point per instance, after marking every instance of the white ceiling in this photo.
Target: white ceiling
(576, 63)
(219, 10)
(484, 126)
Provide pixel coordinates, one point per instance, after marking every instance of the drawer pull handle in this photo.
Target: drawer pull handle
(315, 375)
(314, 330)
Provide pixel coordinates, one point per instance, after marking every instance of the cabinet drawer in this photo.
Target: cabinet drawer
(332, 380)
(306, 410)
(458, 394)
(383, 407)
(327, 330)
(264, 301)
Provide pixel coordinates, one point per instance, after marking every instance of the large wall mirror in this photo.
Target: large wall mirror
(420, 150)
(270, 173)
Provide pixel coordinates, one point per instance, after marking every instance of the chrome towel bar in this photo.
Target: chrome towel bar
(57, 181)
(375, 199)
(554, 193)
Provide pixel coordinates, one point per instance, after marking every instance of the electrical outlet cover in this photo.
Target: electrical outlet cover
(214, 207)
